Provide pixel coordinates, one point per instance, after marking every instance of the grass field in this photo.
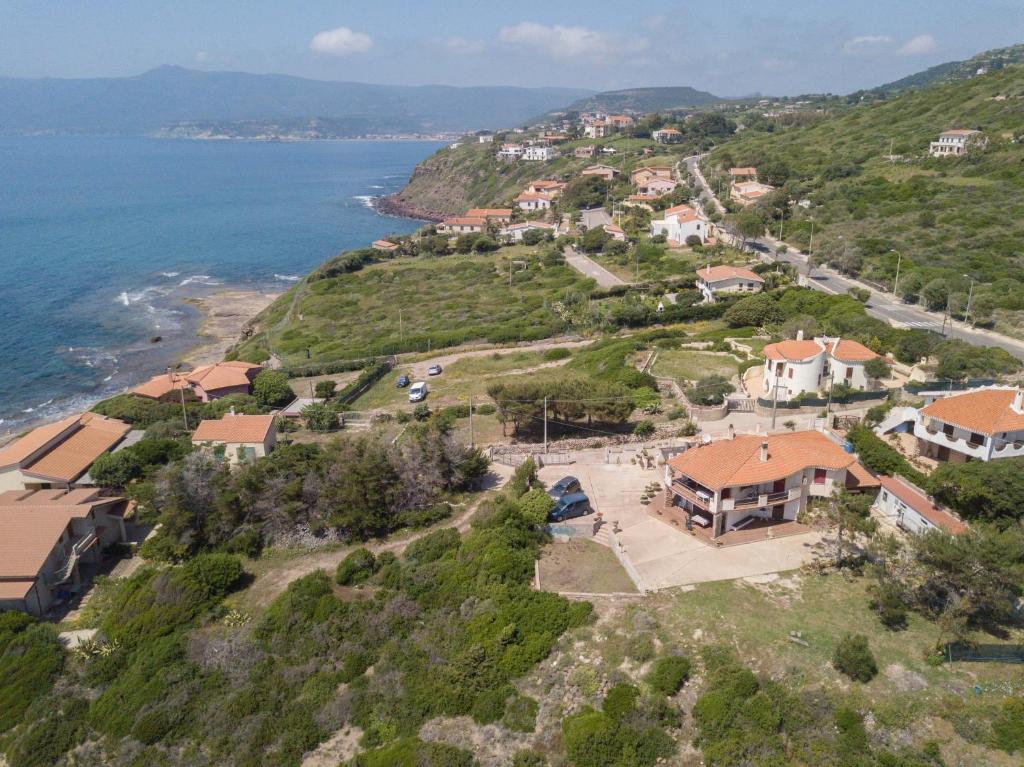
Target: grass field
(582, 566)
(685, 365)
(410, 305)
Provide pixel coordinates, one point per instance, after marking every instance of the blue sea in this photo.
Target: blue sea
(102, 239)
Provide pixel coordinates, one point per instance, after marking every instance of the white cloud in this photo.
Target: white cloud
(340, 42)
(461, 46)
(202, 57)
(865, 43)
(918, 46)
(568, 42)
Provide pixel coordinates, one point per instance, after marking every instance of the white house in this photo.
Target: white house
(980, 424)
(237, 437)
(513, 233)
(733, 483)
(727, 279)
(485, 138)
(546, 186)
(954, 143)
(656, 187)
(792, 368)
(533, 201)
(748, 192)
(462, 225)
(615, 232)
(903, 504)
(666, 135)
(680, 222)
(597, 129)
(539, 153)
(511, 151)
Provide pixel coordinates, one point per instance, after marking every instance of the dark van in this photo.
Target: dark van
(569, 507)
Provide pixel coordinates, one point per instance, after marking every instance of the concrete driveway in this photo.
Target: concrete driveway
(588, 267)
(663, 555)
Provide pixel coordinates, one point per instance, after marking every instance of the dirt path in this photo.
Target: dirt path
(419, 369)
(588, 267)
(270, 584)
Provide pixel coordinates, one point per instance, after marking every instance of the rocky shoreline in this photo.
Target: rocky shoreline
(393, 205)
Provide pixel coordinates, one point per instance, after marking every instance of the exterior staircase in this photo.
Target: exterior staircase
(67, 567)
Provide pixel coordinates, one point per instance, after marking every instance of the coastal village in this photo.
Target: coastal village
(643, 333)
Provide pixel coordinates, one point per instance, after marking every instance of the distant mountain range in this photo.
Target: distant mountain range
(644, 100)
(952, 71)
(169, 98)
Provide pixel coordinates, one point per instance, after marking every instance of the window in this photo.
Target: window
(947, 429)
(849, 373)
(791, 372)
(976, 439)
(779, 367)
(726, 492)
(819, 476)
(885, 496)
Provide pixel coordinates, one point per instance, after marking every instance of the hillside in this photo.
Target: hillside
(644, 100)
(952, 71)
(170, 95)
(947, 217)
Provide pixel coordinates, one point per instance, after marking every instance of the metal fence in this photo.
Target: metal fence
(984, 653)
(916, 387)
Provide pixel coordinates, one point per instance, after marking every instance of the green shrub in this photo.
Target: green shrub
(853, 658)
(640, 647)
(357, 567)
(486, 409)
(433, 546)
(45, 740)
(116, 469)
(151, 727)
(526, 758)
(888, 602)
(556, 354)
(620, 701)
(675, 413)
(29, 661)
(413, 752)
(216, 574)
(520, 714)
(489, 705)
(271, 388)
(669, 674)
(1008, 726)
(643, 428)
(325, 389)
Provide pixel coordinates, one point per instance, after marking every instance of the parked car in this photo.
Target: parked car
(569, 507)
(564, 486)
(418, 392)
(402, 382)
(435, 370)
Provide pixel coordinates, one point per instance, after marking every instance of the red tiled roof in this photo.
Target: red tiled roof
(846, 350)
(794, 351)
(384, 245)
(923, 505)
(716, 273)
(986, 411)
(733, 462)
(464, 221)
(235, 428)
(681, 213)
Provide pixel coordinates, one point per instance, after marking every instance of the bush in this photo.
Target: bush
(485, 409)
(1008, 726)
(643, 428)
(711, 390)
(520, 714)
(433, 546)
(325, 389)
(669, 674)
(319, 417)
(29, 660)
(620, 701)
(527, 758)
(853, 658)
(215, 574)
(116, 469)
(675, 413)
(357, 566)
(413, 752)
(756, 310)
(271, 388)
(887, 601)
(556, 354)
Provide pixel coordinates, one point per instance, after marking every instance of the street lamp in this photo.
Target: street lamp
(899, 260)
(970, 295)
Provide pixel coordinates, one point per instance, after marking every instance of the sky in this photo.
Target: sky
(727, 47)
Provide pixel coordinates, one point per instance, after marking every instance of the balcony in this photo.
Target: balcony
(761, 500)
(702, 499)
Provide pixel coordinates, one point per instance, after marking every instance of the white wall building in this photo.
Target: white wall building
(904, 505)
(954, 143)
(539, 153)
(681, 222)
(792, 368)
(727, 279)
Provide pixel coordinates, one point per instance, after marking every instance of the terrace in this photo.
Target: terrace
(756, 531)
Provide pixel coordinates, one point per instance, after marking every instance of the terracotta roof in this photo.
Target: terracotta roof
(986, 411)
(922, 504)
(15, 589)
(72, 457)
(846, 350)
(613, 229)
(464, 221)
(747, 171)
(489, 212)
(14, 453)
(959, 132)
(716, 273)
(222, 375)
(795, 351)
(235, 427)
(31, 524)
(529, 225)
(528, 196)
(547, 184)
(859, 478)
(681, 213)
(598, 169)
(733, 462)
(384, 245)
(753, 189)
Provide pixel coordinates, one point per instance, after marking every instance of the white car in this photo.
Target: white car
(418, 391)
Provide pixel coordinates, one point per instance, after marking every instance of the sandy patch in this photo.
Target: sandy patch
(225, 313)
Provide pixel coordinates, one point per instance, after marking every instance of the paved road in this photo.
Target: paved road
(595, 217)
(588, 267)
(884, 306)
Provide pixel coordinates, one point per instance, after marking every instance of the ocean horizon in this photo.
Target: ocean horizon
(103, 239)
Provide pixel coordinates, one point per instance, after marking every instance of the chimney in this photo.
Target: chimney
(732, 432)
(799, 335)
(764, 451)
(232, 412)
(1018, 401)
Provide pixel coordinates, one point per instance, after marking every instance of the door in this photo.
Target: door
(779, 512)
(943, 453)
(779, 486)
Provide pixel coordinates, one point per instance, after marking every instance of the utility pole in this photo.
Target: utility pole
(899, 260)
(545, 425)
(401, 330)
(184, 411)
(775, 402)
(472, 441)
(970, 295)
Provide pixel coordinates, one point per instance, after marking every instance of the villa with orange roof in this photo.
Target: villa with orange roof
(641, 176)
(749, 192)
(208, 382)
(534, 201)
(758, 479)
(502, 215)
(679, 223)
(955, 143)
(727, 279)
(58, 455)
(546, 186)
(45, 535)
(666, 135)
(743, 174)
(606, 172)
(977, 425)
(656, 186)
(462, 225)
(799, 366)
(384, 245)
(237, 437)
(615, 232)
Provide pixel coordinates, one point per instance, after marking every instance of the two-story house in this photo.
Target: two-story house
(796, 367)
(980, 425)
(729, 484)
(727, 279)
(679, 223)
(954, 143)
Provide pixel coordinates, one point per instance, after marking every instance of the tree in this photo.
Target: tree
(983, 309)
(935, 294)
(711, 390)
(910, 286)
(749, 223)
(801, 323)
(325, 389)
(853, 658)
(593, 240)
(319, 417)
(116, 469)
(988, 490)
(876, 368)
(464, 243)
(849, 512)
(694, 241)
(757, 310)
(271, 388)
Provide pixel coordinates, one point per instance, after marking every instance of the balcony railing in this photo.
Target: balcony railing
(691, 495)
(760, 500)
